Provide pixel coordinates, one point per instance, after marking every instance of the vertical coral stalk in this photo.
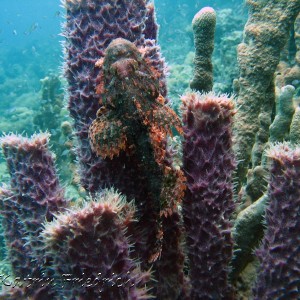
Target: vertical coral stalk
(34, 197)
(208, 164)
(279, 271)
(279, 129)
(13, 231)
(265, 34)
(204, 25)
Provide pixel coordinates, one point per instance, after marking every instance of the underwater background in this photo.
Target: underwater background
(236, 145)
(31, 50)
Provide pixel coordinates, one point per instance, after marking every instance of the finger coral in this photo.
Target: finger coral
(204, 25)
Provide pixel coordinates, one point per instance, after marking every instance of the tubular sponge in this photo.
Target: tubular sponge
(204, 24)
(278, 274)
(208, 163)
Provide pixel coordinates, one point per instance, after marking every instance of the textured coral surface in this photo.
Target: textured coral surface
(204, 24)
(265, 35)
(279, 271)
(208, 163)
(13, 234)
(90, 244)
(34, 197)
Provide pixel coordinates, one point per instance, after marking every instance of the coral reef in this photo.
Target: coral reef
(269, 123)
(265, 34)
(208, 163)
(179, 80)
(228, 34)
(51, 117)
(269, 131)
(23, 63)
(149, 122)
(204, 24)
(100, 245)
(278, 275)
(50, 105)
(275, 124)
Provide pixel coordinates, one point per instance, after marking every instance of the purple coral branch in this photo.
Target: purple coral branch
(279, 271)
(208, 164)
(33, 198)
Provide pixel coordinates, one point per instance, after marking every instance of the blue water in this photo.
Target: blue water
(30, 49)
(25, 22)
(34, 26)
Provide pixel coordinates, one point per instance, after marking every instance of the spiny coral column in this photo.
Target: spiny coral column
(204, 24)
(14, 232)
(208, 164)
(35, 197)
(90, 26)
(265, 35)
(279, 271)
(89, 244)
